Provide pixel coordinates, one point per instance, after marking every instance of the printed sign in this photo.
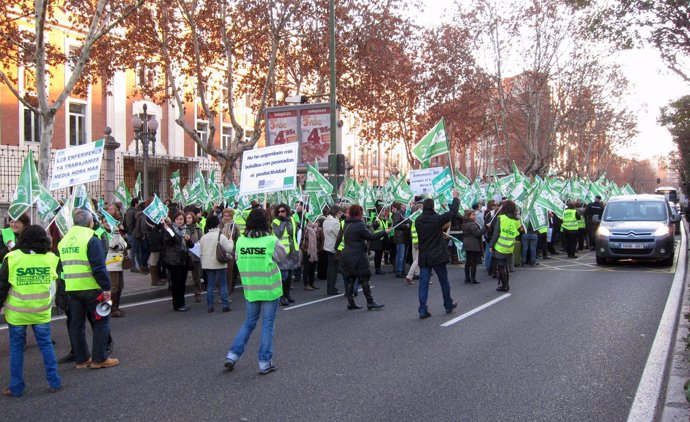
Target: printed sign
(76, 165)
(316, 134)
(420, 180)
(269, 169)
(282, 127)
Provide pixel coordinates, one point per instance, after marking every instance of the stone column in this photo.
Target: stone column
(108, 184)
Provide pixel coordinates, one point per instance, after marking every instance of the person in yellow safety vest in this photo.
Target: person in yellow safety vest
(502, 243)
(543, 243)
(569, 227)
(259, 255)
(409, 278)
(581, 233)
(10, 235)
(378, 246)
(87, 283)
(285, 229)
(27, 283)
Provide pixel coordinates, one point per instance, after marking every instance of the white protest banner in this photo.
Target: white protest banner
(269, 169)
(77, 165)
(420, 180)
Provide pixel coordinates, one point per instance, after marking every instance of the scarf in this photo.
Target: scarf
(180, 232)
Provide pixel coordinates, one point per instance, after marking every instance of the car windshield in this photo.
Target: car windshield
(635, 211)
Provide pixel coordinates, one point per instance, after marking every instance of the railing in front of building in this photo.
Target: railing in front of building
(127, 166)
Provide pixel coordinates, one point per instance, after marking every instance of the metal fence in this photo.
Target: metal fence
(127, 166)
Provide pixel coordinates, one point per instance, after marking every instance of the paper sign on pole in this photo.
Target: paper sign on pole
(269, 169)
(77, 165)
(420, 180)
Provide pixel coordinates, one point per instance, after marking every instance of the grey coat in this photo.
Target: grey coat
(473, 236)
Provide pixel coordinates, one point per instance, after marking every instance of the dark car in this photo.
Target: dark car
(636, 227)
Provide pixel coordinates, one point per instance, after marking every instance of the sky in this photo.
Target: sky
(652, 86)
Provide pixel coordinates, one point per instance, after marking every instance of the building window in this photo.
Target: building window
(361, 157)
(202, 131)
(32, 126)
(226, 137)
(248, 134)
(77, 124)
(375, 158)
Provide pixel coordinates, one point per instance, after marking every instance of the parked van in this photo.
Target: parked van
(636, 227)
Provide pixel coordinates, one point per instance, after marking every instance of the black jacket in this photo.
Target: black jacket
(176, 249)
(472, 240)
(432, 246)
(354, 261)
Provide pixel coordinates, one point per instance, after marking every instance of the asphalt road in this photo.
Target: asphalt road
(569, 343)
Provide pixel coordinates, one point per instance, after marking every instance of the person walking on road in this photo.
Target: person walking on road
(87, 283)
(27, 278)
(331, 228)
(258, 254)
(472, 244)
(354, 261)
(433, 253)
(215, 270)
(507, 228)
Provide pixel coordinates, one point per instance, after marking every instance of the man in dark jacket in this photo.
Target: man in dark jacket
(400, 238)
(433, 253)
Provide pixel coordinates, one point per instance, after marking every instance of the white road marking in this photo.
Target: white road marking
(291, 307)
(475, 310)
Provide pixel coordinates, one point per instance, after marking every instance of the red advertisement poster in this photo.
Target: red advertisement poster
(282, 127)
(316, 134)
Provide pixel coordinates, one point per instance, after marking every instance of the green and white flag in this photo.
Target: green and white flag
(122, 194)
(402, 192)
(549, 199)
(82, 200)
(230, 193)
(46, 205)
(28, 188)
(157, 211)
(315, 181)
(351, 191)
(462, 181)
(64, 220)
(443, 181)
(137, 186)
(175, 186)
(112, 222)
(539, 217)
(434, 143)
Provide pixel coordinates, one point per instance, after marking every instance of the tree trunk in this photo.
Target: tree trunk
(47, 130)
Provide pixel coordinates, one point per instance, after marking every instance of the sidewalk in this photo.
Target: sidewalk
(138, 287)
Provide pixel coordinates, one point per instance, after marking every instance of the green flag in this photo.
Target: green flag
(434, 143)
(137, 186)
(443, 181)
(230, 193)
(46, 205)
(64, 219)
(175, 186)
(351, 191)
(82, 200)
(315, 181)
(122, 194)
(157, 211)
(112, 222)
(550, 200)
(28, 188)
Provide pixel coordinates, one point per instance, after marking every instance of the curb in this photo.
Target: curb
(676, 406)
(650, 398)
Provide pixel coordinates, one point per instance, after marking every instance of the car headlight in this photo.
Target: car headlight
(603, 231)
(662, 231)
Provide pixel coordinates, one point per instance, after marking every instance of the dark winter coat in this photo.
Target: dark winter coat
(432, 246)
(378, 244)
(354, 261)
(473, 236)
(176, 249)
(402, 231)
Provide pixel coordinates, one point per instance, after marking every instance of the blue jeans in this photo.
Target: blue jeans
(213, 277)
(266, 342)
(424, 276)
(134, 250)
(400, 252)
(529, 242)
(487, 257)
(45, 345)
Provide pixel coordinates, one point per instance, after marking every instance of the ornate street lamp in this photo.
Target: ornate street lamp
(145, 128)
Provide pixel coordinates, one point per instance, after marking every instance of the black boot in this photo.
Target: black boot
(349, 287)
(503, 278)
(473, 273)
(371, 305)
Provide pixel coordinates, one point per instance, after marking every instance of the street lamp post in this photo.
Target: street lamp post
(145, 128)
